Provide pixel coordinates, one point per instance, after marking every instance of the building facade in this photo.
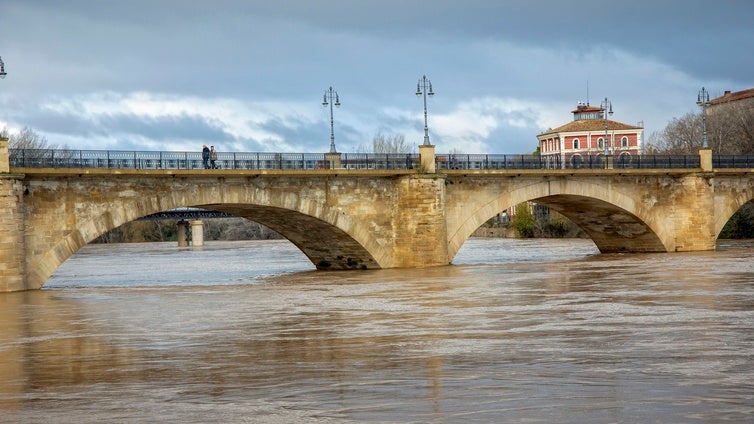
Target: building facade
(730, 122)
(744, 97)
(588, 137)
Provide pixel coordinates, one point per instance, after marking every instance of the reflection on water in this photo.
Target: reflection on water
(515, 331)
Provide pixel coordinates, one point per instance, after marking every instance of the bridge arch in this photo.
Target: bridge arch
(327, 235)
(730, 197)
(614, 220)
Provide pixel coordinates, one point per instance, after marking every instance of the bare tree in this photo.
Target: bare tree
(681, 135)
(237, 229)
(37, 151)
(730, 130)
(730, 127)
(28, 139)
(390, 144)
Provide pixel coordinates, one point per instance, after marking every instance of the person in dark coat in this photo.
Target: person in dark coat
(205, 156)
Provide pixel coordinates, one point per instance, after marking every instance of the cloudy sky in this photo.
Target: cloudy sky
(249, 75)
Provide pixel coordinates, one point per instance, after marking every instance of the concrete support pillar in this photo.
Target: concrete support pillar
(183, 233)
(12, 238)
(197, 233)
(427, 154)
(333, 160)
(419, 223)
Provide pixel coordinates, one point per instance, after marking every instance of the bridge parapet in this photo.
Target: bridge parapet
(425, 162)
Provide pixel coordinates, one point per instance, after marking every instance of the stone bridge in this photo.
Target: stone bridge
(363, 219)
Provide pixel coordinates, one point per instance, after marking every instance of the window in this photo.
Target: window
(600, 143)
(624, 141)
(575, 144)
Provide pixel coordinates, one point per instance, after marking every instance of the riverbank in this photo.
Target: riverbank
(503, 232)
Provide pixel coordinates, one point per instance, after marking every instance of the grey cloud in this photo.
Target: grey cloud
(311, 137)
(160, 129)
(165, 128)
(372, 52)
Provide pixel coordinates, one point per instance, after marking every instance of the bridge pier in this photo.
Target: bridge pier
(182, 233)
(419, 223)
(12, 240)
(12, 244)
(197, 233)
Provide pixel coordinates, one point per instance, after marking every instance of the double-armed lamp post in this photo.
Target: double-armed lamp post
(702, 99)
(424, 87)
(607, 109)
(331, 95)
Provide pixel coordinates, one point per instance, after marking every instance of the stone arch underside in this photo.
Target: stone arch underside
(729, 199)
(611, 228)
(614, 226)
(326, 244)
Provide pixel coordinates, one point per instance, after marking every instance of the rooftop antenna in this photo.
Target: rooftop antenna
(587, 92)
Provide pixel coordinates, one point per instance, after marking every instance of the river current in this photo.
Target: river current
(520, 331)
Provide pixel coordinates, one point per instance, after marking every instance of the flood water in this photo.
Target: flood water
(523, 331)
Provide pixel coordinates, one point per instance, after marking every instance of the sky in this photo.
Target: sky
(250, 75)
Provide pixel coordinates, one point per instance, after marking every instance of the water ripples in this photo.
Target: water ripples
(516, 331)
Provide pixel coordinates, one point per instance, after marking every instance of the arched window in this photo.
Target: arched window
(575, 144)
(600, 143)
(624, 141)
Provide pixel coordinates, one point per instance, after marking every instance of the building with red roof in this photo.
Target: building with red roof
(588, 136)
(729, 97)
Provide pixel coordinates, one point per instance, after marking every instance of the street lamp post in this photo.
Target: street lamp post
(2, 69)
(607, 109)
(424, 87)
(702, 99)
(330, 94)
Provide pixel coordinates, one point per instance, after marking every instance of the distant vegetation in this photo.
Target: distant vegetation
(741, 224)
(28, 139)
(730, 131)
(214, 229)
(540, 223)
(382, 143)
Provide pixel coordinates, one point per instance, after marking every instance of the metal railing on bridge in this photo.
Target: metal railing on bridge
(64, 158)
(57, 158)
(492, 161)
(185, 214)
(733, 161)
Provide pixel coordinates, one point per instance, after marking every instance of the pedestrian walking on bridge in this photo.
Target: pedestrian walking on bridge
(212, 157)
(205, 156)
